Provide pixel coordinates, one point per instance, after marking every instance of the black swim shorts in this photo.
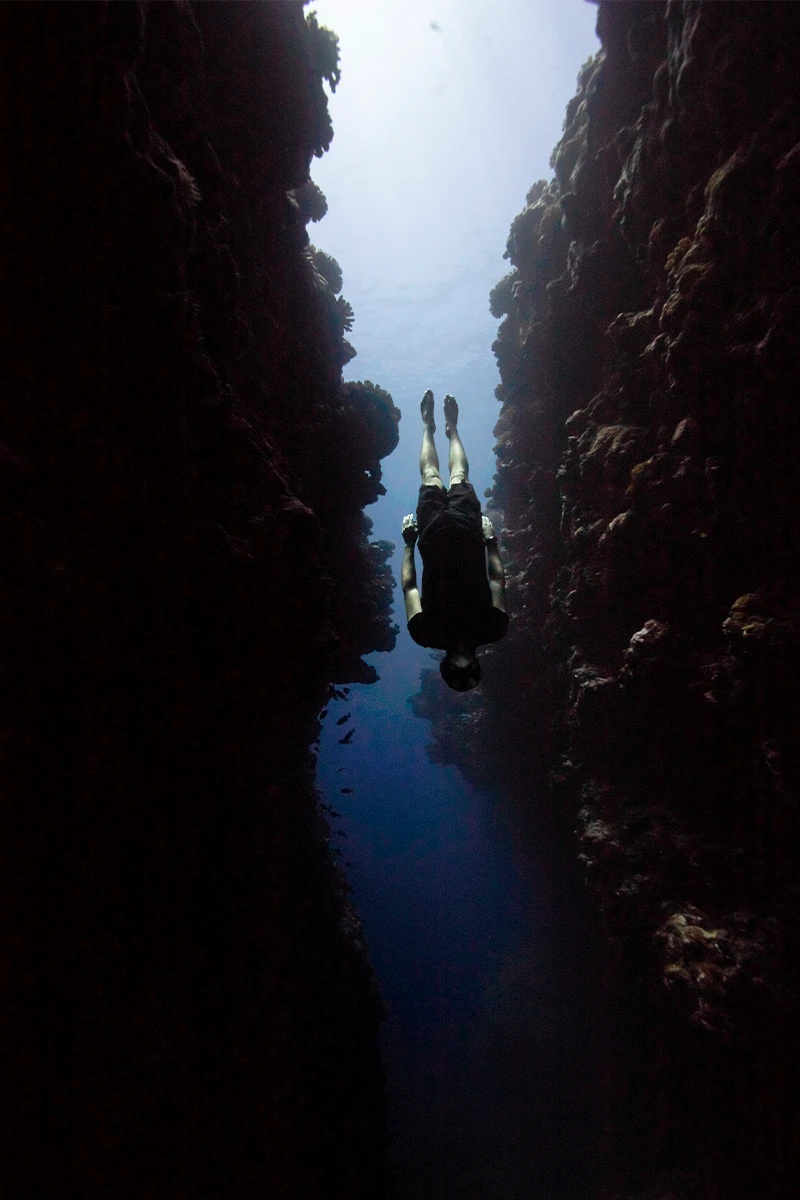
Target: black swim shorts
(460, 504)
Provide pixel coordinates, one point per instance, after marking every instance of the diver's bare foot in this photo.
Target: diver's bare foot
(426, 408)
(450, 413)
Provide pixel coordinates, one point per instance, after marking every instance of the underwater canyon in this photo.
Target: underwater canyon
(187, 1000)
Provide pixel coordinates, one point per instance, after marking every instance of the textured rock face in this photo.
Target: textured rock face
(647, 451)
(186, 1006)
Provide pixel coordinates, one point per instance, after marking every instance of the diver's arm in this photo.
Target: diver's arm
(409, 581)
(408, 574)
(497, 576)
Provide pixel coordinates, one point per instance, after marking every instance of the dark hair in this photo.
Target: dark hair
(462, 675)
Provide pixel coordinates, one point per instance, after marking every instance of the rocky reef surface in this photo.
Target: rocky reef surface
(645, 700)
(186, 1004)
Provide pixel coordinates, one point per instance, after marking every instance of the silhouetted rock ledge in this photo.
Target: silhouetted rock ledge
(647, 450)
(186, 1004)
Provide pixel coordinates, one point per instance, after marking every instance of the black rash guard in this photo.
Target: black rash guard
(456, 599)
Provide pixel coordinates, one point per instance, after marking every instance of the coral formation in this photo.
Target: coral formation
(187, 1007)
(647, 448)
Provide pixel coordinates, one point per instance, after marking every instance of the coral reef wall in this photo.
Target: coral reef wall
(647, 449)
(186, 1004)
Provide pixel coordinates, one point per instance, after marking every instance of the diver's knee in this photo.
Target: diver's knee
(432, 479)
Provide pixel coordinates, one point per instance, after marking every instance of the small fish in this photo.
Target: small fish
(435, 26)
(333, 812)
(342, 720)
(346, 791)
(339, 769)
(345, 741)
(323, 714)
(340, 695)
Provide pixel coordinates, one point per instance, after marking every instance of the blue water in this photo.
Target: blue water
(517, 1066)
(450, 910)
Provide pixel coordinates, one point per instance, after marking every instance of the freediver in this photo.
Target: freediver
(463, 603)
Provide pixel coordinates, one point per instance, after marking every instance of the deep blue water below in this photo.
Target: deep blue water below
(519, 1058)
(450, 910)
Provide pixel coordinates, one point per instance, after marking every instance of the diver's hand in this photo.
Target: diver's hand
(409, 529)
(488, 530)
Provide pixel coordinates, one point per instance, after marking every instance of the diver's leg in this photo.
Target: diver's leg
(459, 465)
(428, 458)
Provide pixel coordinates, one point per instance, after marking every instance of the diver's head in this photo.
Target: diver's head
(460, 668)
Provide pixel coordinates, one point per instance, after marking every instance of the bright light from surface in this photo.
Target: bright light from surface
(444, 106)
(446, 112)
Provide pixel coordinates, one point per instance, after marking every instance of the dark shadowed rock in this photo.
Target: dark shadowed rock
(186, 1002)
(647, 449)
